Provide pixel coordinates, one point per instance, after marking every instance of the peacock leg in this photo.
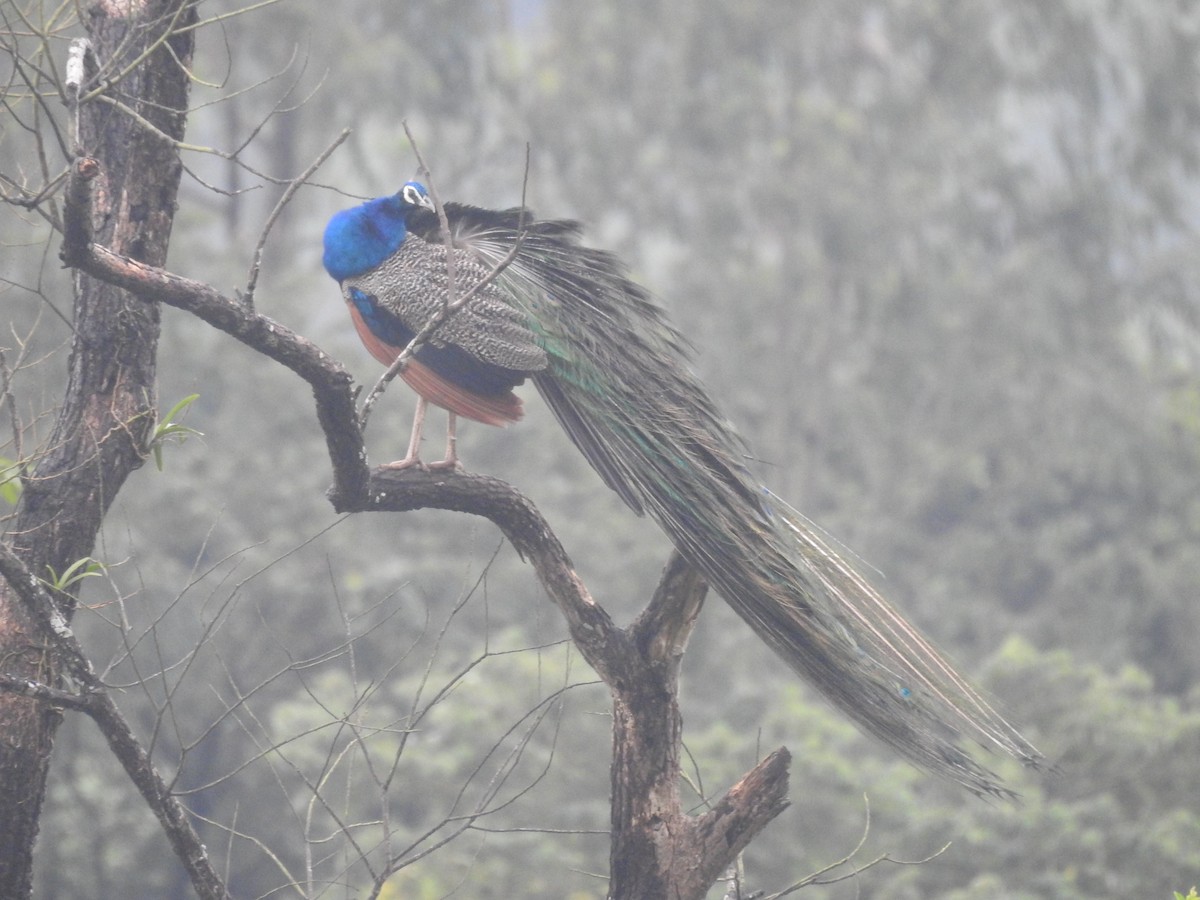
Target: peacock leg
(413, 456)
(451, 460)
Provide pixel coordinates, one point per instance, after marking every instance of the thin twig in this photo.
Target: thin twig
(9, 402)
(43, 609)
(98, 704)
(815, 877)
(293, 186)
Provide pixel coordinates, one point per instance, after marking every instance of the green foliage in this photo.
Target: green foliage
(73, 574)
(167, 429)
(1192, 895)
(1115, 818)
(10, 480)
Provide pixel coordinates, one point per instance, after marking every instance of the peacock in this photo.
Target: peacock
(616, 374)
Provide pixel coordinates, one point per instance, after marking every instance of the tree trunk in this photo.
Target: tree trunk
(108, 410)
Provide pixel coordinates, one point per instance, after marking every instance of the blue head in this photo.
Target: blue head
(359, 239)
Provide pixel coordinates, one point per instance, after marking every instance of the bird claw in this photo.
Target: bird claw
(414, 462)
(409, 462)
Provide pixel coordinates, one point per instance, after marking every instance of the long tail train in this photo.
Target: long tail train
(618, 381)
(616, 375)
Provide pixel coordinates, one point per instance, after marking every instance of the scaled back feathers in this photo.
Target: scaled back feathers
(616, 375)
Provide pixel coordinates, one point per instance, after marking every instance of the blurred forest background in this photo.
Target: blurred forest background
(938, 260)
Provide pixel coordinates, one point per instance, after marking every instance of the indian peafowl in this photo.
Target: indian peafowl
(615, 373)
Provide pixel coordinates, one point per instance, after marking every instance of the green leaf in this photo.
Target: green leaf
(167, 428)
(76, 572)
(10, 481)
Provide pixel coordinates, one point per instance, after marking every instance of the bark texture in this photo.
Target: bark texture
(137, 57)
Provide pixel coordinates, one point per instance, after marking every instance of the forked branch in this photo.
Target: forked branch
(639, 664)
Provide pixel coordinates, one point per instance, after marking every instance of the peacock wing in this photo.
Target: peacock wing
(413, 284)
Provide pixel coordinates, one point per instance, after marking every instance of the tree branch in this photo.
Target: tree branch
(657, 849)
(35, 690)
(330, 382)
(605, 646)
(98, 704)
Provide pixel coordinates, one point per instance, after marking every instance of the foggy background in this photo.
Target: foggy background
(938, 261)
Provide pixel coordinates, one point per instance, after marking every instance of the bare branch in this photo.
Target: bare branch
(293, 186)
(599, 639)
(121, 740)
(330, 382)
(49, 695)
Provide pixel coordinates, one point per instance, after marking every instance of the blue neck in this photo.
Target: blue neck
(359, 239)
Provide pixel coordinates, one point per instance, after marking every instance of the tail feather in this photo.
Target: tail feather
(619, 381)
